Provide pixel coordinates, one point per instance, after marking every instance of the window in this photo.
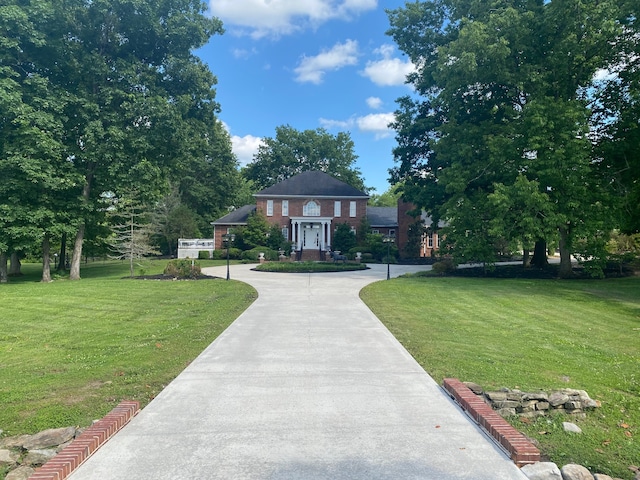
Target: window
(269, 208)
(430, 240)
(352, 209)
(285, 233)
(337, 208)
(285, 208)
(392, 233)
(311, 209)
(375, 231)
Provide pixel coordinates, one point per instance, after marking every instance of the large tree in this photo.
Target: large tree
(292, 152)
(136, 94)
(37, 195)
(501, 88)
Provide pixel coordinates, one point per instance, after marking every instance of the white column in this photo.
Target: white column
(329, 232)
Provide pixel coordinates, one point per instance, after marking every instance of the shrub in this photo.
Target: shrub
(203, 255)
(253, 254)
(182, 269)
(221, 254)
(444, 266)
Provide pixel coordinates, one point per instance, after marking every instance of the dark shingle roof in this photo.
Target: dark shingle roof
(237, 217)
(382, 216)
(312, 184)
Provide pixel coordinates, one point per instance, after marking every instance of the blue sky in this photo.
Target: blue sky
(309, 64)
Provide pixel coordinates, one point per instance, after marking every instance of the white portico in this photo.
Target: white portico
(311, 233)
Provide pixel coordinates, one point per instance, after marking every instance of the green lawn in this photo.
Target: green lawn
(531, 335)
(70, 351)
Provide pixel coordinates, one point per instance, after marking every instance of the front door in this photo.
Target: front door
(311, 236)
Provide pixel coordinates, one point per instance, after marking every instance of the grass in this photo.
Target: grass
(71, 351)
(532, 335)
(309, 267)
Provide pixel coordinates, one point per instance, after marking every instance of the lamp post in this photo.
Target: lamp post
(227, 239)
(388, 239)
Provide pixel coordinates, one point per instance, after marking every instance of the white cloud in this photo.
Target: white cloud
(337, 124)
(245, 147)
(374, 102)
(377, 123)
(388, 71)
(262, 18)
(312, 69)
(242, 53)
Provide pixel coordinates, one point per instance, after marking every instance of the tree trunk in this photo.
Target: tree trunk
(14, 270)
(74, 273)
(4, 278)
(46, 260)
(76, 257)
(526, 258)
(63, 253)
(566, 271)
(539, 259)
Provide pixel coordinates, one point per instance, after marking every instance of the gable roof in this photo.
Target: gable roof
(238, 217)
(311, 184)
(382, 216)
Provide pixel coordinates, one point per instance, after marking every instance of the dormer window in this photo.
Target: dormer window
(311, 209)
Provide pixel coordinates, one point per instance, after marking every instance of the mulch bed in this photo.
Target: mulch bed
(162, 276)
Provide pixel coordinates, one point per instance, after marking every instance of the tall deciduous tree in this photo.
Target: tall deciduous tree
(132, 86)
(502, 96)
(292, 152)
(38, 192)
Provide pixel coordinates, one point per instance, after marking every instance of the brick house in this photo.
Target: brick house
(308, 208)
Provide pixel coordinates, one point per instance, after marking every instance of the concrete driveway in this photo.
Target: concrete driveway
(305, 384)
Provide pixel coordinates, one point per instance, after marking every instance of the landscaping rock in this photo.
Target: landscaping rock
(532, 404)
(506, 412)
(558, 398)
(496, 396)
(601, 476)
(575, 472)
(542, 471)
(49, 438)
(20, 473)
(535, 396)
(36, 458)
(474, 387)
(8, 458)
(14, 442)
(571, 427)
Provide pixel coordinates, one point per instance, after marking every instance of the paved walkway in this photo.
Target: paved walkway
(306, 384)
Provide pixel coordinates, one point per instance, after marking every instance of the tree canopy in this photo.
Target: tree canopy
(292, 152)
(502, 108)
(105, 97)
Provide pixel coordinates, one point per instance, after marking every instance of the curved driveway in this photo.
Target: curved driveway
(305, 384)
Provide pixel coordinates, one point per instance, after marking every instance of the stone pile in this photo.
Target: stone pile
(21, 455)
(550, 471)
(508, 402)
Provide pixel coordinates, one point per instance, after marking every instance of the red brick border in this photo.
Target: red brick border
(70, 457)
(519, 449)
